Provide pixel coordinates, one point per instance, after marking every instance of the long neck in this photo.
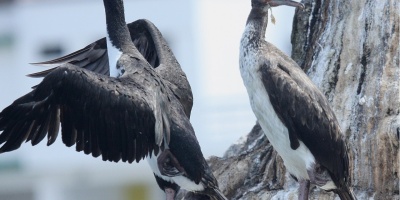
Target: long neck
(257, 23)
(116, 26)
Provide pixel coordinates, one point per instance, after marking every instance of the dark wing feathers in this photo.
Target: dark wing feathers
(148, 40)
(93, 57)
(150, 43)
(98, 114)
(41, 73)
(307, 115)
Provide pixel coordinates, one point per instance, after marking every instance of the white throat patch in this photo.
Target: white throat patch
(113, 56)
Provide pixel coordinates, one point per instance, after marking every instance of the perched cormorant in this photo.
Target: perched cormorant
(293, 113)
(128, 118)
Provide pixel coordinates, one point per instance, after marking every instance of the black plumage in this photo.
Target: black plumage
(78, 98)
(150, 43)
(305, 131)
(143, 112)
(306, 113)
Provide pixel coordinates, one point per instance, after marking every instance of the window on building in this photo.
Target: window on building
(6, 40)
(6, 2)
(51, 50)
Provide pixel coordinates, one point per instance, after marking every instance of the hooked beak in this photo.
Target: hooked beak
(274, 3)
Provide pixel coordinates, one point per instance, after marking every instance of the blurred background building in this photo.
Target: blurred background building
(204, 35)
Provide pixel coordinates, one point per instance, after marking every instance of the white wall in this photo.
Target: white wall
(225, 109)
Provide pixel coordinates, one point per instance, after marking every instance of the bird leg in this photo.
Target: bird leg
(304, 189)
(170, 193)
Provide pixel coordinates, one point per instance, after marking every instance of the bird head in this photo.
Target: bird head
(182, 161)
(181, 165)
(275, 3)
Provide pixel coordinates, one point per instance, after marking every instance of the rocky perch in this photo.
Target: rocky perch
(251, 169)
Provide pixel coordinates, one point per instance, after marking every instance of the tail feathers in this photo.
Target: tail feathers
(346, 194)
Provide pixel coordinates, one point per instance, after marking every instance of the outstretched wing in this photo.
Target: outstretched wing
(150, 43)
(307, 114)
(146, 37)
(93, 57)
(100, 115)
